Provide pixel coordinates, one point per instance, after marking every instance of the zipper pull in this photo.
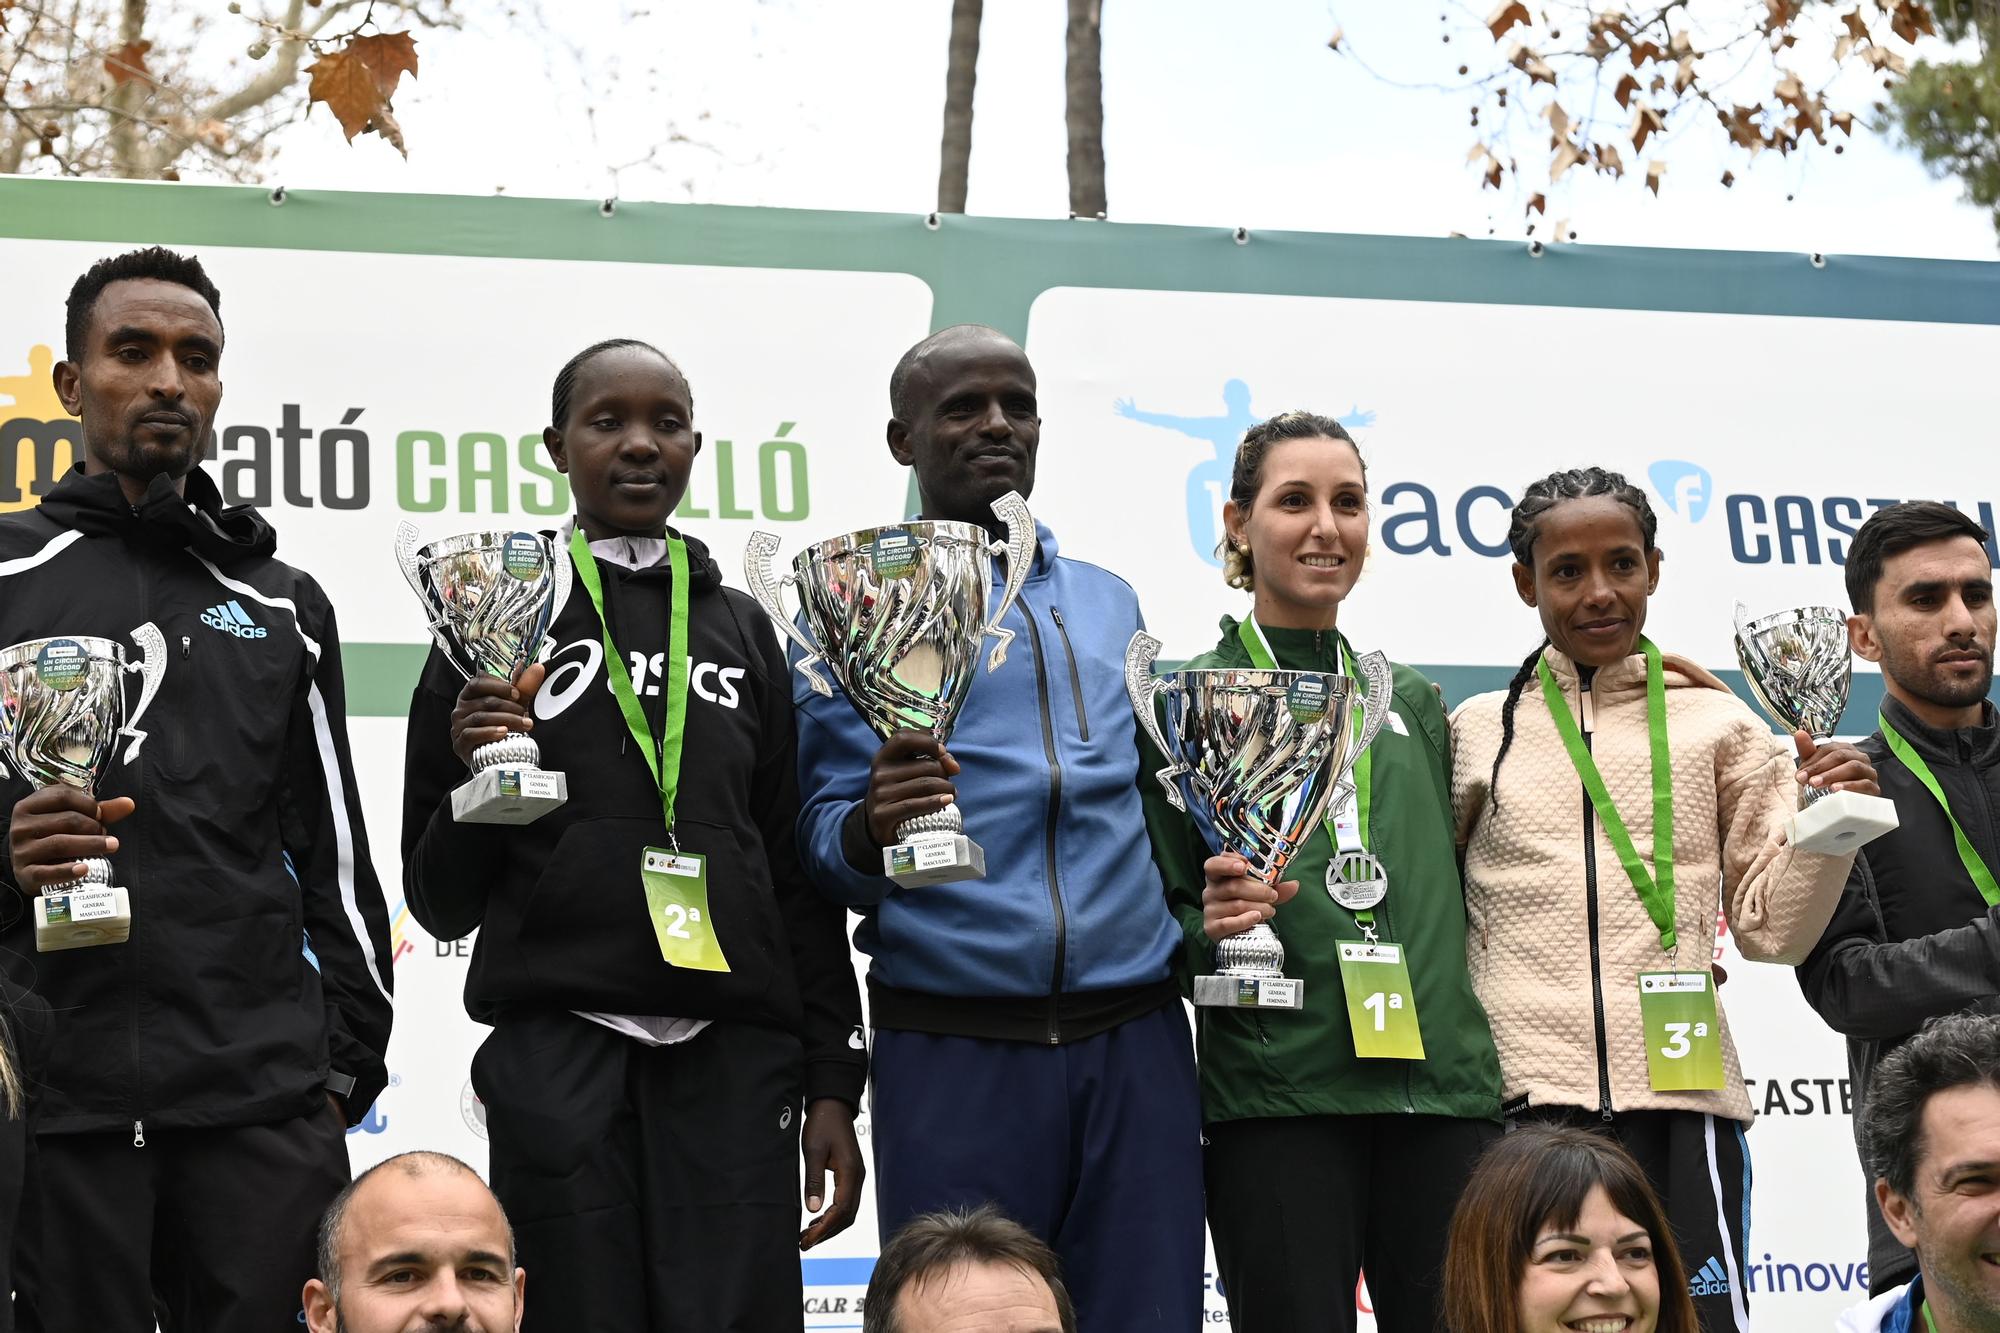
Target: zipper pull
(138, 1133)
(1055, 614)
(186, 643)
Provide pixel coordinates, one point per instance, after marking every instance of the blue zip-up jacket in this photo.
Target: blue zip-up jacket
(1049, 787)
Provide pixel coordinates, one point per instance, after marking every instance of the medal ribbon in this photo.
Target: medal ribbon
(1968, 855)
(1347, 839)
(662, 759)
(1656, 893)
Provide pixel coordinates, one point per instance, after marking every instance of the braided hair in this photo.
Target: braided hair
(1580, 483)
(566, 377)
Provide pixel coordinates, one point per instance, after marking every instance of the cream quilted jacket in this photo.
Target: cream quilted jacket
(1564, 997)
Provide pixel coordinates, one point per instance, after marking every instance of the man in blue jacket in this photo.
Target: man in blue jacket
(1030, 1047)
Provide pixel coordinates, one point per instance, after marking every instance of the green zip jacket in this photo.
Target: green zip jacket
(1301, 1062)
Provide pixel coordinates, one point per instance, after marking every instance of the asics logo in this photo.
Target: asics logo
(231, 618)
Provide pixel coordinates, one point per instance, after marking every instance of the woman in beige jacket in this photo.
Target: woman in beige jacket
(1590, 917)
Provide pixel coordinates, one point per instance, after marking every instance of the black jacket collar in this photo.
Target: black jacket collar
(93, 504)
(1977, 745)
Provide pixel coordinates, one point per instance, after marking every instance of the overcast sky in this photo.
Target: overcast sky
(1217, 113)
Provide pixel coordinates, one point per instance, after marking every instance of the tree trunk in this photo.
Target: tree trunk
(127, 146)
(961, 65)
(1083, 86)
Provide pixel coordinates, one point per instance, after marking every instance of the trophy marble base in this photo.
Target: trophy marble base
(79, 918)
(509, 794)
(934, 859)
(1222, 991)
(1842, 821)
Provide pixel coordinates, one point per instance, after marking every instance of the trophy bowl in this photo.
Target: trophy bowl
(488, 598)
(899, 615)
(1799, 666)
(62, 713)
(1259, 759)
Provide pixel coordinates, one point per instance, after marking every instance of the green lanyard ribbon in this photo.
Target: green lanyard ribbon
(1656, 891)
(1968, 855)
(664, 758)
(1262, 657)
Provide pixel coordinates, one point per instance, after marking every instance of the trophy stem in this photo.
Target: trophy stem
(1250, 974)
(518, 750)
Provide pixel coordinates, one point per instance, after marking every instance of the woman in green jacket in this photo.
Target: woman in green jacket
(1332, 1146)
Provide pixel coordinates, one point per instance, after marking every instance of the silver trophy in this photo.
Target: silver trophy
(62, 712)
(488, 598)
(1799, 665)
(899, 613)
(1260, 759)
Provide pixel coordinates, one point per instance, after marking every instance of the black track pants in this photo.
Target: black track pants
(652, 1189)
(210, 1230)
(1298, 1206)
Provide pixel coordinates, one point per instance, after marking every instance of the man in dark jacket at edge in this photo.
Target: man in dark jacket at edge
(1031, 1047)
(1917, 932)
(202, 1073)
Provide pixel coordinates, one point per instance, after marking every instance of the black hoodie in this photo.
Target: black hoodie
(259, 961)
(559, 906)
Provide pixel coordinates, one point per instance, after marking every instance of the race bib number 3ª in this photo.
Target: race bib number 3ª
(1683, 1035)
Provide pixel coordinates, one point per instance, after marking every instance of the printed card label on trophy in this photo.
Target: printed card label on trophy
(62, 716)
(899, 614)
(1799, 666)
(488, 598)
(1257, 757)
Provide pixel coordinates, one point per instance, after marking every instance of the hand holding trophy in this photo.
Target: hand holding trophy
(1259, 759)
(489, 598)
(62, 711)
(1799, 666)
(899, 613)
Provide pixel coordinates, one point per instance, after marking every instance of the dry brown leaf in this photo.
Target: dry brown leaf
(1558, 119)
(1644, 51)
(1654, 170)
(1843, 46)
(1684, 74)
(128, 62)
(1844, 122)
(387, 56)
(1567, 156)
(1510, 13)
(1646, 124)
(1608, 160)
(357, 81)
(1333, 42)
(1494, 174)
(1537, 204)
(1728, 179)
(1626, 87)
(1857, 27)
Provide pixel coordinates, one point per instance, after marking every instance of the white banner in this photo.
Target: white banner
(367, 388)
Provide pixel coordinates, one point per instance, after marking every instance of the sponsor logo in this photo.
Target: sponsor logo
(375, 1122)
(1208, 483)
(62, 664)
(893, 553)
(472, 1109)
(1818, 1275)
(1710, 1280)
(33, 430)
(522, 556)
(1683, 487)
(231, 618)
(399, 931)
(574, 666)
(1307, 700)
(784, 1117)
(855, 1041)
(1802, 1096)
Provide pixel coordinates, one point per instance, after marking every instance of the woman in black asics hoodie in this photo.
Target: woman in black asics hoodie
(670, 999)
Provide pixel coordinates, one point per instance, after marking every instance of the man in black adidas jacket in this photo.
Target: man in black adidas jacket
(1917, 932)
(202, 1073)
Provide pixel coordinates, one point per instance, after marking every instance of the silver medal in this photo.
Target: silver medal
(1357, 880)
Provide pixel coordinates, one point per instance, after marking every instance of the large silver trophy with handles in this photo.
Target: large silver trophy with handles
(488, 598)
(1799, 666)
(62, 714)
(899, 613)
(1260, 759)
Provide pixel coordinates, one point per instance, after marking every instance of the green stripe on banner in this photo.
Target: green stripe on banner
(380, 677)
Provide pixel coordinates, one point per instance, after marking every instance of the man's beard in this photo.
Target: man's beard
(1923, 679)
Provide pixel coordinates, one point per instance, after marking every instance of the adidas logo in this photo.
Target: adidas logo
(1710, 1281)
(231, 618)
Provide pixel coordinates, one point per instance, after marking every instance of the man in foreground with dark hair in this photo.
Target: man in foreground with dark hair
(1917, 932)
(202, 1072)
(1931, 1137)
(966, 1272)
(417, 1241)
